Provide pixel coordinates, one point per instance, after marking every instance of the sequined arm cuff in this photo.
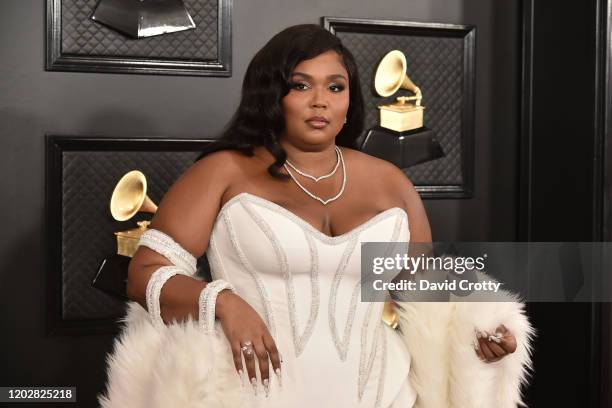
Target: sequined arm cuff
(154, 287)
(207, 303)
(164, 244)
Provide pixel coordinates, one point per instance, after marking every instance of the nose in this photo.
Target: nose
(318, 99)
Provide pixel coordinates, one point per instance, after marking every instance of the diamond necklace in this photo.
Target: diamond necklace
(316, 179)
(316, 197)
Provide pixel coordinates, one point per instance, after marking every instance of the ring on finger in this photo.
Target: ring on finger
(247, 348)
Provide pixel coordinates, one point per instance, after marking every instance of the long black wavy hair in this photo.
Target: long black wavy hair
(259, 119)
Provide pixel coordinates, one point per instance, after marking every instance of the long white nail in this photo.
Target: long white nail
(495, 339)
(254, 383)
(240, 373)
(475, 344)
(266, 384)
(280, 377)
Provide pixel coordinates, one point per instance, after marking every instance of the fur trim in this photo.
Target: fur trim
(446, 372)
(170, 366)
(424, 328)
(155, 367)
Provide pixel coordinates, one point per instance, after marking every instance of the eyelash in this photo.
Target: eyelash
(296, 85)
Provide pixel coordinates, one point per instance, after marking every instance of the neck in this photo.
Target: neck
(317, 161)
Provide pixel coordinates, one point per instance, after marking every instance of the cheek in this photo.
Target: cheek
(290, 112)
(292, 104)
(342, 104)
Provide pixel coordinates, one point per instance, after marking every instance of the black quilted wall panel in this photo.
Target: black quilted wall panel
(436, 64)
(88, 179)
(83, 37)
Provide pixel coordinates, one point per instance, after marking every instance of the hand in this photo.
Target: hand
(248, 336)
(491, 347)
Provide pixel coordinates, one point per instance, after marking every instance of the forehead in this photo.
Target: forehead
(326, 64)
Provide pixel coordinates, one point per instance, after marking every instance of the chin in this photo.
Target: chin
(318, 141)
(313, 138)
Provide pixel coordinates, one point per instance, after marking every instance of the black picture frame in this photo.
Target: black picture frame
(464, 125)
(57, 281)
(57, 59)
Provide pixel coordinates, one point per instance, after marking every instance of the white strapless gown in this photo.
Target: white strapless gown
(337, 352)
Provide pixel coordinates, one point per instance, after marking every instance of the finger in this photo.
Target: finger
(502, 329)
(264, 363)
(485, 349)
(496, 349)
(478, 351)
(508, 343)
(507, 340)
(249, 360)
(237, 356)
(270, 346)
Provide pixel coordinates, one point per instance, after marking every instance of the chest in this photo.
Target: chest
(334, 219)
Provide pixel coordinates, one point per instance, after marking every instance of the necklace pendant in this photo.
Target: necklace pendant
(314, 178)
(312, 195)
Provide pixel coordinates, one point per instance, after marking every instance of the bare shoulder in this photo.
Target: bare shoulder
(188, 209)
(392, 182)
(387, 174)
(206, 179)
(224, 164)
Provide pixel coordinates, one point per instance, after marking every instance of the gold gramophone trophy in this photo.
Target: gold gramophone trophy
(403, 114)
(401, 137)
(129, 198)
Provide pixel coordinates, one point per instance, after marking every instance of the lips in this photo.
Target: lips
(317, 122)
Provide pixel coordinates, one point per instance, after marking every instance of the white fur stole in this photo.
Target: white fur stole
(172, 366)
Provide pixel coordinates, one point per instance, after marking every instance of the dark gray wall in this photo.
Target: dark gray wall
(34, 102)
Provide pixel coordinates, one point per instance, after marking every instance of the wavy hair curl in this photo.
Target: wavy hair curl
(259, 119)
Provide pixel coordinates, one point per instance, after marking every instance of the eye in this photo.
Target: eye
(336, 88)
(300, 86)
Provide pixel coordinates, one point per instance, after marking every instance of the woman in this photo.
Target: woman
(280, 205)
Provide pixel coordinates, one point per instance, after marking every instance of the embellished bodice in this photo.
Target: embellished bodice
(306, 286)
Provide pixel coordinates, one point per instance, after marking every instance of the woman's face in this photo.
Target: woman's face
(316, 106)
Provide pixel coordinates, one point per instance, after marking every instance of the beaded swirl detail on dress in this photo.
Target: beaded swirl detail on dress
(365, 364)
(321, 236)
(299, 341)
(306, 285)
(247, 265)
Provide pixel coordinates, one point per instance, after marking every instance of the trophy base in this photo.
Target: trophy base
(112, 276)
(404, 149)
(401, 117)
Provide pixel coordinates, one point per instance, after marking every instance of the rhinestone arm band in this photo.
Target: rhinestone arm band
(164, 244)
(208, 301)
(154, 287)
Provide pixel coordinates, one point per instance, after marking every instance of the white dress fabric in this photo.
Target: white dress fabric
(337, 351)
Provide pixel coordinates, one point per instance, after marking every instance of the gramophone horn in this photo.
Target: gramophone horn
(130, 197)
(391, 76)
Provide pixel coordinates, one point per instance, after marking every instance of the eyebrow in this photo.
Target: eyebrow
(333, 76)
